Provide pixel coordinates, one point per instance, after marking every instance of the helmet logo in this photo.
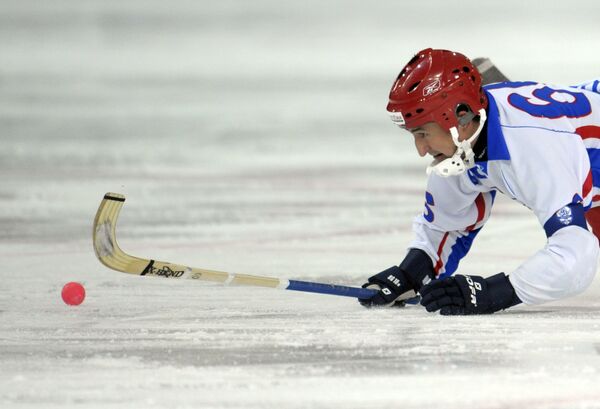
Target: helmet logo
(432, 88)
(397, 118)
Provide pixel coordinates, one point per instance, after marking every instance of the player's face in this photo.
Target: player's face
(432, 139)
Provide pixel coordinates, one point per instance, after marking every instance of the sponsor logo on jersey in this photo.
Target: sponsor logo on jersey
(432, 88)
(565, 215)
(478, 172)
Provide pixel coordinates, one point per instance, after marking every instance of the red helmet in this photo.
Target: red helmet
(432, 86)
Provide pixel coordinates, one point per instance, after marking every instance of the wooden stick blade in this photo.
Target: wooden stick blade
(110, 254)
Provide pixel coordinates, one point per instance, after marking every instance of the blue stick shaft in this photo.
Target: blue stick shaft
(356, 292)
(332, 289)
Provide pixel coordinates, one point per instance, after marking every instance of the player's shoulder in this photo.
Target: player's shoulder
(538, 97)
(535, 104)
(528, 109)
(508, 85)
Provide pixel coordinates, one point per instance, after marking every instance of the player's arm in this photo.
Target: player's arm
(566, 265)
(558, 194)
(462, 294)
(454, 214)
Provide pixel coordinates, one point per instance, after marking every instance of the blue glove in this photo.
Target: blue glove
(466, 295)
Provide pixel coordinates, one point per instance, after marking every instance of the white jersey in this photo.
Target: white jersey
(543, 150)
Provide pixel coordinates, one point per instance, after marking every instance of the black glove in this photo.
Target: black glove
(399, 283)
(392, 285)
(466, 295)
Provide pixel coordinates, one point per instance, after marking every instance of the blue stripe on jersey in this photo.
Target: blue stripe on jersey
(538, 127)
(570, 215)
(515, 84)
(458, 251)
(589, 86)
(595, 176)
(493, 194)
(497, 149)
(579, 200)
(594, 155)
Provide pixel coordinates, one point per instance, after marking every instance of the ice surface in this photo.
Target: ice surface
(251, 137)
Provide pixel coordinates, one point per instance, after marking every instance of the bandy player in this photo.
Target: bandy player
(538, 144)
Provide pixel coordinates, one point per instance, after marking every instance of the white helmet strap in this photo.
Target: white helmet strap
(463, 158)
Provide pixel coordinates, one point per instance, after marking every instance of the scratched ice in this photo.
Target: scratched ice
(251, 137)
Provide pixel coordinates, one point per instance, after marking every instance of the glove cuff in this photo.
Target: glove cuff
(393, 278)
(418, 268)
(502, 292)
(393, 286)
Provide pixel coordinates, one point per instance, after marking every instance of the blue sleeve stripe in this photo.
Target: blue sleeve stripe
(596, 174)
(570, 215)
(515, 84)
(458, 251)
(594, 155)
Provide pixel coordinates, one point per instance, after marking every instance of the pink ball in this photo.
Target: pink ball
(73, 293)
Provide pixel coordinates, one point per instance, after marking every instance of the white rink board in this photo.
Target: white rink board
(251, 137)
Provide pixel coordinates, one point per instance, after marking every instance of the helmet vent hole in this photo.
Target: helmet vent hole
(420, 110)
(408, 115)
(456, 71)
(414, 86)
(466, 69)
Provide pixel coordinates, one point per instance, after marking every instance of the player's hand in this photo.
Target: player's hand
(466, 295)
(394, 288)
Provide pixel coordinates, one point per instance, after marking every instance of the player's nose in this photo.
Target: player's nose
(422, 147)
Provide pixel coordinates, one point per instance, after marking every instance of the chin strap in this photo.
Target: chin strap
(463, 158)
